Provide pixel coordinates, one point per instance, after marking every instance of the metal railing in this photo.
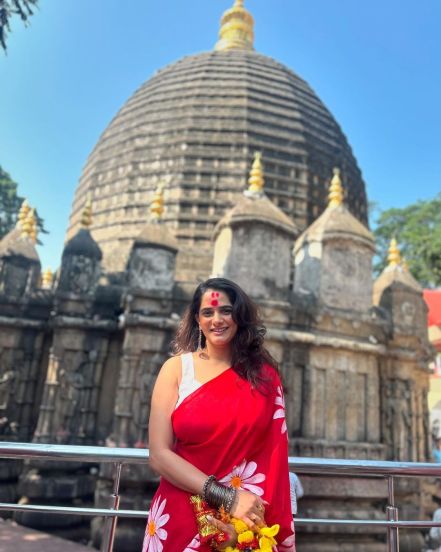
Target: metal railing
(121, 456)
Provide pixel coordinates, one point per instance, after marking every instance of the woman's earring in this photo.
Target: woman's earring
(200, 339)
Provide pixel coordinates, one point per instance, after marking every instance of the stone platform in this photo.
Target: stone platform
(15, 538)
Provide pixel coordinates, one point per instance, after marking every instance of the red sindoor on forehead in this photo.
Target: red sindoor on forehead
(214, 301)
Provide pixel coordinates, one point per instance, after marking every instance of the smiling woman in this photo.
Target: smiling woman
(215, 427)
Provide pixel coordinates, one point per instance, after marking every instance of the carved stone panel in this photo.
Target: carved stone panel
(346, 279)
(152, 269)
(79, 274)
(343, 400)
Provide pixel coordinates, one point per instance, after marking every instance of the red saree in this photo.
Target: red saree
(228, 429)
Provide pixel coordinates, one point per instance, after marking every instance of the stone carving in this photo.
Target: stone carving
(398, 419)
(79, 275)
(14, 279)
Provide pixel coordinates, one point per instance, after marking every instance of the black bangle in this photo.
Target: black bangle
(217, 495)
(209, 480)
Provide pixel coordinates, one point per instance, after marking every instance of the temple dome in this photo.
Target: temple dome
(195, 125)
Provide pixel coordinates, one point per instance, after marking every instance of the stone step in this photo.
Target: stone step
(16, 538)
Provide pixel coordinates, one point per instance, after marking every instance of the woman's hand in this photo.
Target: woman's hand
(249, 507)
(227, 529)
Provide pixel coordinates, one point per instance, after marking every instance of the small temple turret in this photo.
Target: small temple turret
(80, 265)
(395, 283)
(255, 237)
(395, 271)
(237, 29)
(152, 260)
(333, 257)
(19, 261)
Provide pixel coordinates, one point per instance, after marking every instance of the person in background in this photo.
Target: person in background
(436, 450)
(296, 491)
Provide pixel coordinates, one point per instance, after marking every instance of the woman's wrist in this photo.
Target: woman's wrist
(217, 495)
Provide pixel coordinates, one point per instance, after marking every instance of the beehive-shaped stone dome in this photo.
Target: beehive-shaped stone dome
(195, 126)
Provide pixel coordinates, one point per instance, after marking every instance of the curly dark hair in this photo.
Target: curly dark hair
(248, 353)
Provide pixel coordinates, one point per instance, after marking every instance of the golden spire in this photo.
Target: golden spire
(237, 29)
(86, 216)
(336, 192)
(157, 205)
(34, 229)
(27, 225)
(394, 256)
(47, 278)
(23, 213)
(256, 180)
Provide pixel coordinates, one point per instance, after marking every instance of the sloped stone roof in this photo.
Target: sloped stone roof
(261, 209)
(83, 244)
(157, 235)
(336, 222)
(14, 245)
(391, 275)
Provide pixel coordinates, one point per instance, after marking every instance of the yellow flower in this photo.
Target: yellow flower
(266, 544)
(239, 526)
(270, 531)
(246, 536)
(267, 539)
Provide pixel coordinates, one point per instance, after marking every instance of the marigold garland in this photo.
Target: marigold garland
(248, 540)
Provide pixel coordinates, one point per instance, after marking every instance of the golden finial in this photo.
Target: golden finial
(86, 216)
(336, 193)
(34, 229)
(237, 29)
(157, 205)
(47, 278)
(256, 180)
(394, 256)
(27, 225)
(23, 213)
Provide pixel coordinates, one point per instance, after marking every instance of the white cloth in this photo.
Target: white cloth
(296, 491)
(188, 382)
(435, 532)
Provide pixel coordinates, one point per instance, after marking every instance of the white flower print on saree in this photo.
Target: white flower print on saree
(155, 532)
(194, 545)
(243, 477)
(288, 545)
(280, 409)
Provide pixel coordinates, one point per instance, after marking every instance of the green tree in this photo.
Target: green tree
(417, 229)
(10, 203)
(9, 8)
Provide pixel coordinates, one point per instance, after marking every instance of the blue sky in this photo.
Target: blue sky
(376, 65)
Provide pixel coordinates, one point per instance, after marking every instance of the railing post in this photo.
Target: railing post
(110, 522)
(393, 543)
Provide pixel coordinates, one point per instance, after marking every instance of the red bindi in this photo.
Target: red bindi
(214, 301)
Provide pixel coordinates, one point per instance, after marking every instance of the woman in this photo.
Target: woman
(217, 425)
